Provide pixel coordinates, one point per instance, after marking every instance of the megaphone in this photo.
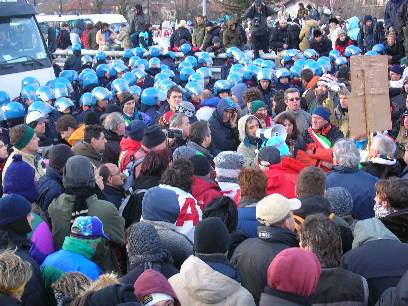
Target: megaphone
(277, 130)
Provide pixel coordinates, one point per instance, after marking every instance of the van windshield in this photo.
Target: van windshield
(20, 40)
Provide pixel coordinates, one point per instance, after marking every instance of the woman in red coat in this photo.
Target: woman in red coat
(342, 42)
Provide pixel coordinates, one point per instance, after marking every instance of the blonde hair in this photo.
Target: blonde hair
(71, 284)
(14, 273)
(104, 280)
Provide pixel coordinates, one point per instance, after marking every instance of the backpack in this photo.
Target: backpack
(130, 174)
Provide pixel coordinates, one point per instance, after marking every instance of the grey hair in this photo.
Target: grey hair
(346, 153)
(384, 145)
(112, 121)
(177, 120)
(14, 273)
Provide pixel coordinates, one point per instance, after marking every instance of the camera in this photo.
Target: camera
(174, 133)
(256, 21)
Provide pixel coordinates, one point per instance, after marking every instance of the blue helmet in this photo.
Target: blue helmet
(119, 86)
(238, 68)
(139, 51)
(295, 71)
(101, 93)
(282, 73)
(70, 75)
(40, 106)
(29, 80)
(135, 90)
(117, 61)
(300, 62)
(185, 73)
(154, 62)
(250, 72)
(185, 48)
(204, 59)
(379, 48)
(5, 98)
(184, 64)
(289, 54)
(164, 67)
(352, 50)
(139, 73)
(129, 78)
(86, 60)
(87, 99)
(60, 90)
(194, 88)
(228, 52)
(315, 67)
(154, 51)
(66, 82)
(371, 53)
(325, 63)
(82, 74)
(127, 53)
(341, 61)
(170, 73)
(90, 79)
(192, 60)
(234, 78)
(334, 54)
(119, 67)
(13, 110)
(221, 86)
(171, 54)
(27, 93)
(161, 76)
(205, 72)
(196, 77)
(150, 96)
(311, 54)
(142, 64)
(101, 70)
(45, 93)
(76, 47)
(268, 64)
(258, 62)
(132, 61)
(264, 74)
(63, 103)
(100, 56)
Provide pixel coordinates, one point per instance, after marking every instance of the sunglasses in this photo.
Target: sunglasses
(294, 99)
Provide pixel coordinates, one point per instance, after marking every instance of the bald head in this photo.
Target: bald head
(111, 175)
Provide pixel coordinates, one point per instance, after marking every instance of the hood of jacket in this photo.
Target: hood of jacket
(311, 23)
(313, 205)
(77, 135)
(202, 184)
(275, 234)
(241, 125)
(85, 149)
(129, 144)
(221, 107)
(212, 102)
(204, 284)
(369, 230)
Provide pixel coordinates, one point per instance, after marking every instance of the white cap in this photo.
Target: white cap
(275, 208)
(34, 116)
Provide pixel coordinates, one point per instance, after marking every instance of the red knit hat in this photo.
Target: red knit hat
(152, 287)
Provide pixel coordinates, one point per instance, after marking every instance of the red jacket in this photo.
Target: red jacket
(84, 39)
(128, 148)
(278, 183)
(342, 48)
(204, 190)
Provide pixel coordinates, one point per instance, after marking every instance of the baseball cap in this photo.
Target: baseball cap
(88, 228)
(269, 156)
(275, 208)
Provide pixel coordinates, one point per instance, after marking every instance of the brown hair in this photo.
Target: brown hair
(64, 122)
(252, 183)
(393, 190)
(16, 133)
(311, 182)
(280, 119)
(252, 94)
(155, 163)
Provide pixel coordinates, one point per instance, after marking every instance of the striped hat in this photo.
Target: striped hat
(325, 80)
(228, 164)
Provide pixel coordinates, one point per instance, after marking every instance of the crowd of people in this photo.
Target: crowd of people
(146, 181)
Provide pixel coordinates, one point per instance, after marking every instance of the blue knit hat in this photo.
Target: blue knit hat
(19, 179)
(322, 112)
(135, 130)
(12, 208)
(160, 204)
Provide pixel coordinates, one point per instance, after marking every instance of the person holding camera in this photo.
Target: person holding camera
(179, 131)
(280, 37)
(259, 12)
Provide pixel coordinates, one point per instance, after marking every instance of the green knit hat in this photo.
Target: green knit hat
(257, 104)
(27, 136)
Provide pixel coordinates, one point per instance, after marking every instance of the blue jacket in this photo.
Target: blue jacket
(361, 186)
(49, 187)
(247, 222)
(391, 18)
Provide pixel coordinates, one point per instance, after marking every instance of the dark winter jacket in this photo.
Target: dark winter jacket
(33, 294)
(224, 138)
(293, 35)
(259, 27)
(8, 301)
(201, 150)
(73, 63)
(396, 52)
(382, 168)
(113, 195)
(323, 47)
(63, 40)
(49, 187)
(367, 38)
(168, 270)
(247, 222)
(361, 186)
(85, 149)
(276, 297)
(137, 23)
(391, 19)
(112, 147)
(208, 38)
(397, 223)
(113, 295)
(180, 35)
(279, 37)
(395, 295)
(232, 38)
(91, 39)
(253, 256)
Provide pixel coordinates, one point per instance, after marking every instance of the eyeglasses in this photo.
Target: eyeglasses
(294, 99)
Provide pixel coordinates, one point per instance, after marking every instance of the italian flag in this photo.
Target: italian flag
(320, 140)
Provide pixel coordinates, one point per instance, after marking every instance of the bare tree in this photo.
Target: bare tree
(99, 6)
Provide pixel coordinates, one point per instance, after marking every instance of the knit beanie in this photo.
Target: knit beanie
(135, 130)
(25, 138)
(153, 136)
(396, 69)
(58, 156)
(186, 108)
(340, 200)
(20, 179)
(257, 104)
(152, 287)
(153, 208)
(144, 246)
(228, 164)
(202, 166)
(211, 236)
(125, 98)
(225, 209)
(91, 118)
(12, 208)
(269, 156)
(78, 172)
(322, 112)
(183, 152)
